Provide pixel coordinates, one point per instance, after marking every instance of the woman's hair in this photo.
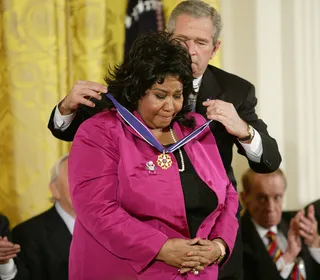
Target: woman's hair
(152, 58)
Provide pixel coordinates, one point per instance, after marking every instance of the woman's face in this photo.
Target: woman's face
(161, 103)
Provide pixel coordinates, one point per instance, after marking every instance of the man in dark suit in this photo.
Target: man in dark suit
(10, 266)
(272, 243)
(223, 97)
(46, 238)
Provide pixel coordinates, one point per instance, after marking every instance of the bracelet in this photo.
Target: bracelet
(222, 250)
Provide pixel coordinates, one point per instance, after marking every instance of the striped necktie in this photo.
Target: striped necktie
(273, 249)
(275, 253)
(296, 274)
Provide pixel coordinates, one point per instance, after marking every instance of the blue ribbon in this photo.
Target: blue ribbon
(147, 135)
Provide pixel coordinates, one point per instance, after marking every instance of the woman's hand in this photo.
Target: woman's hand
(209, 250)
(174, 253)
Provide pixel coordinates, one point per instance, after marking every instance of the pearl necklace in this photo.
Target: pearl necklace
(180, 153)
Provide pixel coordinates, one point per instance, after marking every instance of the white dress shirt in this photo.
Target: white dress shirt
(62, 122)
(8, 271)
(68, 219)
(253, 150)
(283, 268)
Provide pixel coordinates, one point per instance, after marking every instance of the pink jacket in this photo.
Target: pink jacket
(125, 214)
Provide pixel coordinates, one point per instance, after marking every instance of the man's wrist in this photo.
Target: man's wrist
(315, 243)
(63, 109)
(249, 135)
(288, 258)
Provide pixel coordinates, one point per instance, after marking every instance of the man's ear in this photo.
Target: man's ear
(243, 199)
(54, 191)
(215, 49)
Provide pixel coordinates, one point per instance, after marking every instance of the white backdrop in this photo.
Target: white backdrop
(275, 44)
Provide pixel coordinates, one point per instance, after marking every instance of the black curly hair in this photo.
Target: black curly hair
(153, 56)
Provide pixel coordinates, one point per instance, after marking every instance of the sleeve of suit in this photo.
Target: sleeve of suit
(94, 195)
(82, 114)
(29, 255)
(68, 134)
(226, 226)
(271, 158)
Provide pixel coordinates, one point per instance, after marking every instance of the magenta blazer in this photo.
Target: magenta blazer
(125, 214)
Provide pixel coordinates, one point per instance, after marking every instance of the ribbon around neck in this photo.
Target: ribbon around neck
(147, 135)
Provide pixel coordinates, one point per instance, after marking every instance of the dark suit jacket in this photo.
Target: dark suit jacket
(4, 227)
(22, 273)
(257, 263)
(45, 242)
(216, 84)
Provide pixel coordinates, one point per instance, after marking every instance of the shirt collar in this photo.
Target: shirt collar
(68, 219)
(197, 83)
(263, 231)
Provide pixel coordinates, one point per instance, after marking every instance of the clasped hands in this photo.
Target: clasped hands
(188, 255)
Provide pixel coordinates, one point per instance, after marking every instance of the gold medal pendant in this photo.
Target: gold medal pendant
(164, 161)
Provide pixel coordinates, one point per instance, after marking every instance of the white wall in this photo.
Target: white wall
(276, 45)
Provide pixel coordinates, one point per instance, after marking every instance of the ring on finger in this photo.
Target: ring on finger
(195, 272)
(220, 112)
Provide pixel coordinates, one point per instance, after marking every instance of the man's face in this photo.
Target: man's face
(60, 189)
(264, 201)
(197, 34)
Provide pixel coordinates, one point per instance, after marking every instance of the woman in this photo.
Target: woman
(140, 203)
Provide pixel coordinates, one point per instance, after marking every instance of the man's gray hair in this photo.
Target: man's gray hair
(55, 171)
(196, 9)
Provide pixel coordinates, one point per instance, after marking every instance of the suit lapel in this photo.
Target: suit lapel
(253, 245)
(209, 89)
(58, 234)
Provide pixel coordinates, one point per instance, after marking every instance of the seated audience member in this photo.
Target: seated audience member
(273, 247)
(10, 266)
(45, 239)
(148, 205)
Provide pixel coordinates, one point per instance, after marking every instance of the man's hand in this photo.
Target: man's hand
(308, 228)
(294, 240)
(174, 253)
(8, 250)
(81, 93)
(226, 114)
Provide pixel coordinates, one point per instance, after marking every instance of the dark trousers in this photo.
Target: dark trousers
(233, 268)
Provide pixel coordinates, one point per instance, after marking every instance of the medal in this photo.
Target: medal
(164, 161)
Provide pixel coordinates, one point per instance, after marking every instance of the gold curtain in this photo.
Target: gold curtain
(45, 47)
